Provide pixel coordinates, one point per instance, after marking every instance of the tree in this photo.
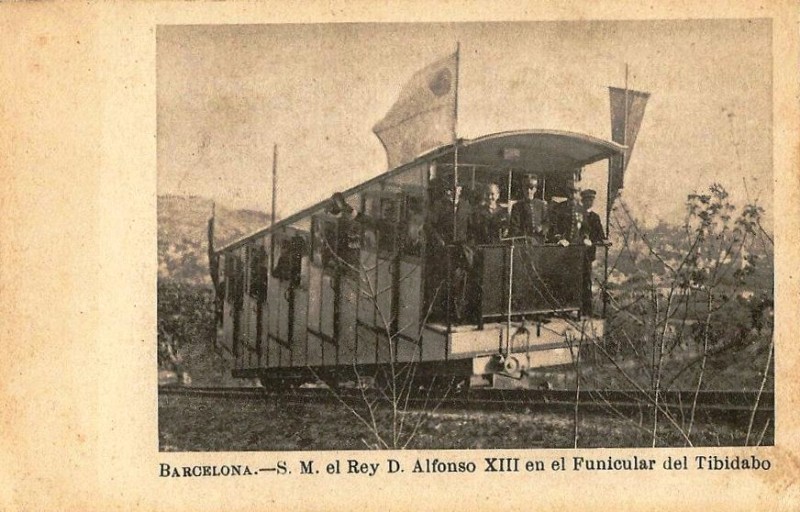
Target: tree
(688, 303)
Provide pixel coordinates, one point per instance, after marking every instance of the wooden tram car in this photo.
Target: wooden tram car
(296, 308)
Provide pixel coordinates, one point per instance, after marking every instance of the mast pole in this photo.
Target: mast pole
(273, 201)
(608, 193)
(455, 142)
(274, 193)
(450, 250)
(625, 131)
(211, 230)
(624, 157)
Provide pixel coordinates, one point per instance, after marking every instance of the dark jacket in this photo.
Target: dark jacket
(567, 222)
(488, 226)
(593, 230)
(530, 218)
(440, 225)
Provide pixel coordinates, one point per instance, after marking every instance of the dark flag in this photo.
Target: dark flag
(624, 131)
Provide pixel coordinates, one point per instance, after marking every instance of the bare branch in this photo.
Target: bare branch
(760, 391)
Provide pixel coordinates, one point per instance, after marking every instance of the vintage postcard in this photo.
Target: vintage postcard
(506, 258)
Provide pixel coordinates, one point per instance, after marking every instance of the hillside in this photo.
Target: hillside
(182, 238)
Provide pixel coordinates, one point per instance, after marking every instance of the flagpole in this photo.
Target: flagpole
(211, 229)
(451, 252)
(211, 263)
(271, 266)
(214, 221)
(625, 131)
(608, 194)
(274, 192)
(455, 142)
(455, 103)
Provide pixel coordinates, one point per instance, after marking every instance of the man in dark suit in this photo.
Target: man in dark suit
(566, 218)
(529, 216)
(441, 226)
(593, 235)
(592, 227)
(449, 228)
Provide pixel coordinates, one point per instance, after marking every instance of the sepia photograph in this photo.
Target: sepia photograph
(417, 256)
(461, 236)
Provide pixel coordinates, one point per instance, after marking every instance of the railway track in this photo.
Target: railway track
(715, 403)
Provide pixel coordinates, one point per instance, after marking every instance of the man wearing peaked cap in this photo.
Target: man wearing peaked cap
(592, 227)
(442, 210)
(449, 229)
(567, 218)
(593, 235)
(529, 216)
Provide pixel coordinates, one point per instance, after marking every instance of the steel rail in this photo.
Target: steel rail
(712, 401)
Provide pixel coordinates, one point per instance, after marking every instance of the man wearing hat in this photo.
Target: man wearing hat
(593, 235)
(348, 243)
(567, 218)
(529, 216)
(592, 228)
(449, 227)
(443, 230)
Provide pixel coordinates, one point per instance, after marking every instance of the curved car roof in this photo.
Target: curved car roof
(539, 151)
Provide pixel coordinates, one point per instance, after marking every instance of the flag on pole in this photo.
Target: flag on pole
(625, 122)
(424, 115)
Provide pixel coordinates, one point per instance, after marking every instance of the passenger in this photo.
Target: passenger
(592, 227)
(334, 204)
(283, 268)
(529, 217)
(490, 221)
(567, 218)
(348, 244)
(593, 235)
(414, 229)
(449, 240)
(443, 229)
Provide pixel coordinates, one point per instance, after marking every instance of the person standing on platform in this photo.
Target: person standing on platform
(490, 221)
(443, 229)
(567, 218)
(529, 217)
(449, 231)
(593, 236)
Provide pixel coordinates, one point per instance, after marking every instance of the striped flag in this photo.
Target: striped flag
(424, 115)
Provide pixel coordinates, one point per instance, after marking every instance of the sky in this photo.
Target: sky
(227, 93)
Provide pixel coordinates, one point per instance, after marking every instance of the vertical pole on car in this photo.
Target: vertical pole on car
(608, 193)
(450, 251)
(272, 229)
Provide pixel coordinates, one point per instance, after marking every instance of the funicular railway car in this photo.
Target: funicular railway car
(346, 287)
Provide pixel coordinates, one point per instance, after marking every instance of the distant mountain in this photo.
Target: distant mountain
(182, 238)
